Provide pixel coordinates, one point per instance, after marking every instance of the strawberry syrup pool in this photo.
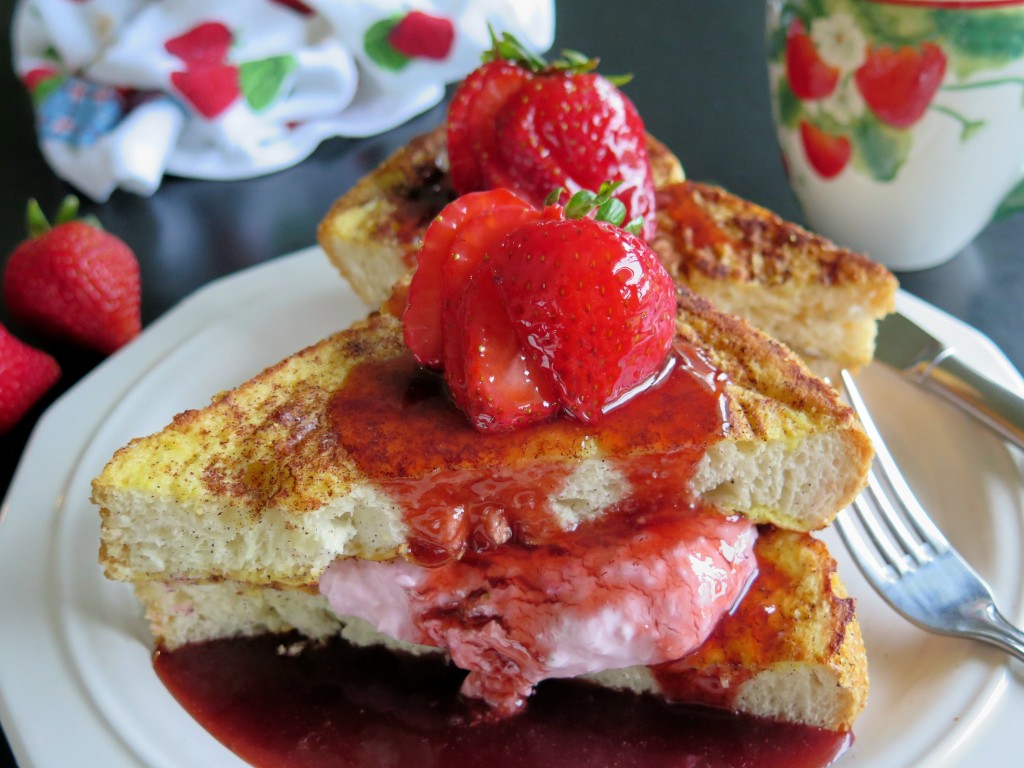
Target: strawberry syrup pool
(349, 707)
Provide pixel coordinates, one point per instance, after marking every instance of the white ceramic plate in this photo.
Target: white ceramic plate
(76, 683)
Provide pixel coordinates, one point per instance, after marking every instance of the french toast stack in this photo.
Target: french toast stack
(821, 300)
(228, 522)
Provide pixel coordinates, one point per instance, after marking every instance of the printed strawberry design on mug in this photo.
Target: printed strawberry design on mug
(899, 85)
(208, 83)
(809, 76)
(828, 154)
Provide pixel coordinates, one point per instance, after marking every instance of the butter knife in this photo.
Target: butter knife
(935, 366)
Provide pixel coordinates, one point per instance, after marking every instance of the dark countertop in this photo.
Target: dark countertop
(699, 81)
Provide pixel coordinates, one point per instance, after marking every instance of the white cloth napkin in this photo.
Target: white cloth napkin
(128, 90)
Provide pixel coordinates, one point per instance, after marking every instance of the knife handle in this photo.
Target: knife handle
(992, 404)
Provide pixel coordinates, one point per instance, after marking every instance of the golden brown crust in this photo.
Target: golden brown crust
(796, 616)
(725, 237)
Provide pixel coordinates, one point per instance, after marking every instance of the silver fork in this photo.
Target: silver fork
(907, 559)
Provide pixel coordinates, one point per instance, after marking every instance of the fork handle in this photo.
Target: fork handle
(986, 623)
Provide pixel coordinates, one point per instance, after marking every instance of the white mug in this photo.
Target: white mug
(901, 122)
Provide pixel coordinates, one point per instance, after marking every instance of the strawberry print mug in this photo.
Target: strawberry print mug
(901, 122)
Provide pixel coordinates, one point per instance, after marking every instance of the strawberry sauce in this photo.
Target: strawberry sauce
(348, 707)
(461, 489)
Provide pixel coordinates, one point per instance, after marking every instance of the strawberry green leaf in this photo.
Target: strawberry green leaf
(508, 48)
(580, 204)
(261, 81)
(554, 196)
(377, 47)
(613, 211)
(36, 219)
(635, 226)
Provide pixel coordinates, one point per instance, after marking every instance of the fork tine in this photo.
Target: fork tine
(889, 509)
(863, 554)
(892, 556)
(915, 514)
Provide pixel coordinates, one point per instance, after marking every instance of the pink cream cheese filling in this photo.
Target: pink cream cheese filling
(610, 595)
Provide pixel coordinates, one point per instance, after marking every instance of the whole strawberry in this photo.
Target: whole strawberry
(26, 374)
(522, 123)
(74, 281)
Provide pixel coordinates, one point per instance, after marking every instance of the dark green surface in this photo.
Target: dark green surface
(698, 79)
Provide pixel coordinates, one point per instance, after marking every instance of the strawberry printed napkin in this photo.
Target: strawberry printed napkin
(126, 91)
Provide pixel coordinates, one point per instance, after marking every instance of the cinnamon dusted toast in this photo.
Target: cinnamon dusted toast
(821, 300)
(270, 483)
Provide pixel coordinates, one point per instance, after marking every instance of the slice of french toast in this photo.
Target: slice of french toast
(302, 464)
(790, 651)
(821, 300)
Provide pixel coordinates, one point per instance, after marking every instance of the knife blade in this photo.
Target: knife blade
(925, 360)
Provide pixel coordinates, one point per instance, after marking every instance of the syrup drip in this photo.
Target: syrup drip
(461, 489)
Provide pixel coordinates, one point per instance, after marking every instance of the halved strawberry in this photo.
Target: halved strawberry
(899, 85)
(809, 76)
(489, 376)
(422, 317)
(827, 154)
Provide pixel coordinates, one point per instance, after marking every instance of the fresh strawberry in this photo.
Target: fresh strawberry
(472, 115)
(74, 281)
(899, 85)
(827, 154)
(428, 291)
(491, 379)
(210, 88)
(532, 311)
(592, 303)
(204, 45)
(809, 76)
(26, 374)
(420, 35)
(509, 128)
(605, 139)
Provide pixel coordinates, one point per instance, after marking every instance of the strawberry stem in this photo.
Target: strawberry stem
(602, 203)
(508, 48)
(68, 210)
(36, 219)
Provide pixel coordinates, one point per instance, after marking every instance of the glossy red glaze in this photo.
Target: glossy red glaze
(396, 421)
(344, 707)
